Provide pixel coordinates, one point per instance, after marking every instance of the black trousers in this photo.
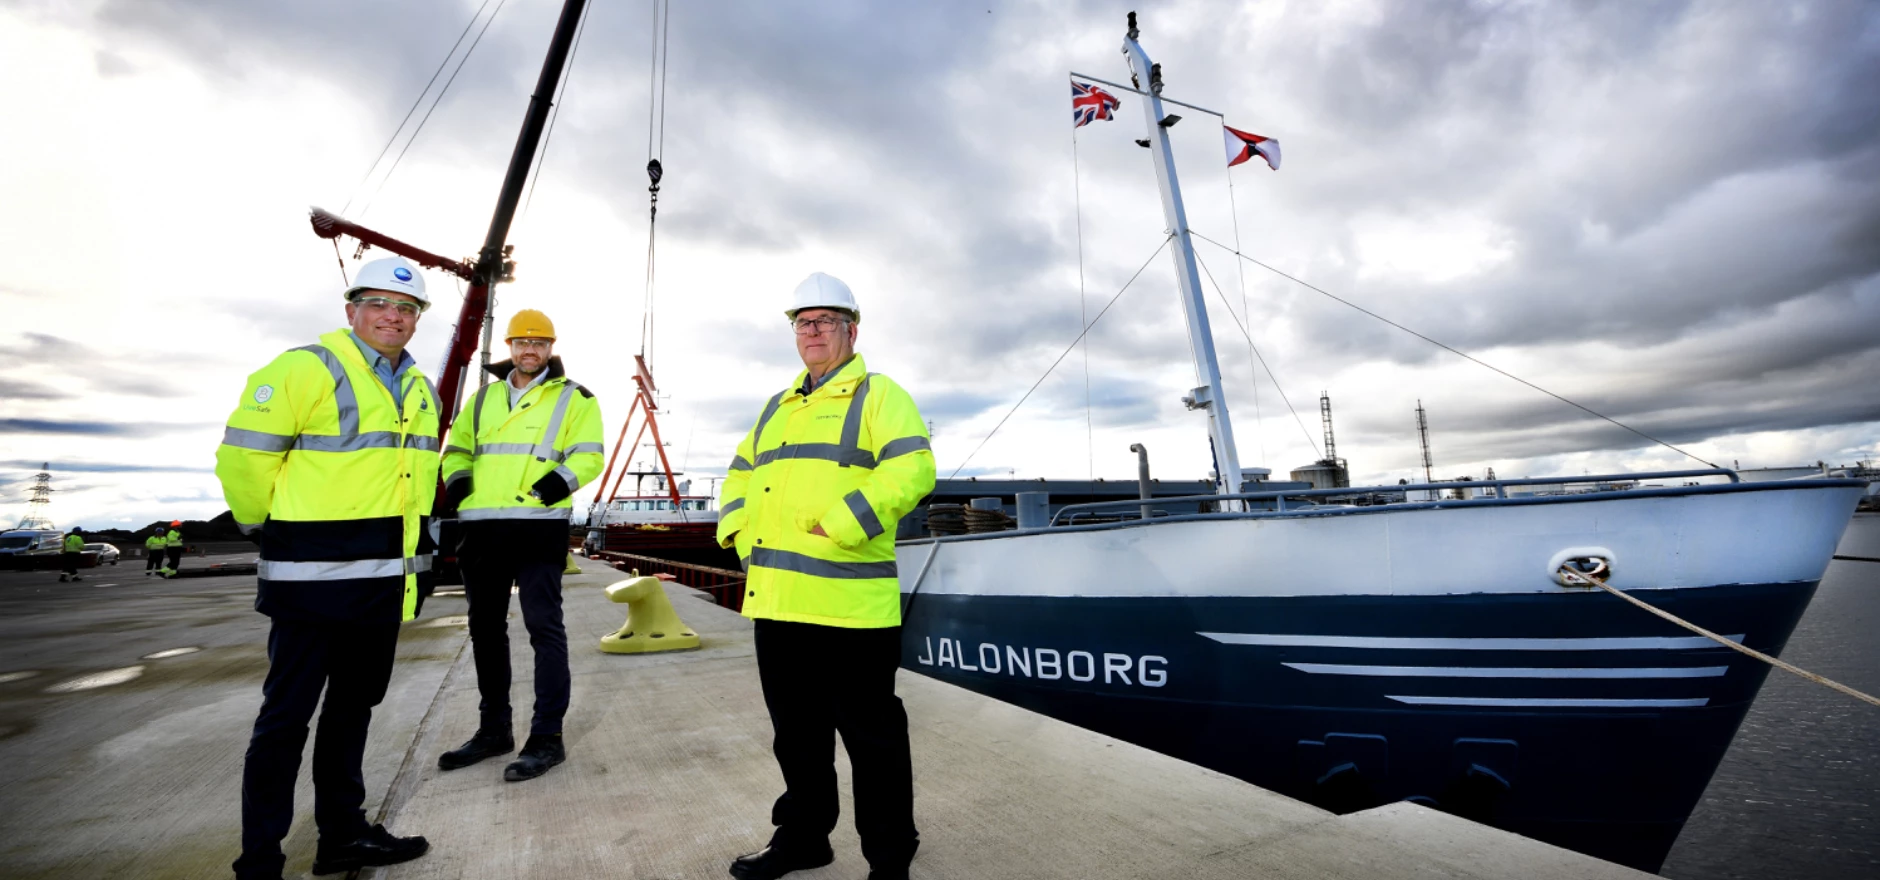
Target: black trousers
(153, 559)
(68, 562)
(352, 663)
(176, 557)
(486, 585)
(821, 680)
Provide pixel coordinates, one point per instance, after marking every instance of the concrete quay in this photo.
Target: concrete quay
(669, 772)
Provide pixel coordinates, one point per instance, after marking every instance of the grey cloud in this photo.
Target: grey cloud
(96, 467)
(20, 389)
(1693, 180)
(93, 429)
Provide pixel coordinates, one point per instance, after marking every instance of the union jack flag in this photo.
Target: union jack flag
(1089, 104)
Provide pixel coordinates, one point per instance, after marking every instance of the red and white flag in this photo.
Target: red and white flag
(1242, 146)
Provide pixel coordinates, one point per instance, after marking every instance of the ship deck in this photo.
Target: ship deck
(669, 772)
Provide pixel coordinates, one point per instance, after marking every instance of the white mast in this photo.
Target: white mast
(1201, 337)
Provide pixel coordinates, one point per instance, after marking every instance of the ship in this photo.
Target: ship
(1426, 644)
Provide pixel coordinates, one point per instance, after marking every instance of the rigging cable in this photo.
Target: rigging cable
(414, 107)
(1060, 358)
(561, 94)
(1083, 311)
(1449, 349)
(1240, 272)
(655, 170)
(1256, 353)
(433, 108)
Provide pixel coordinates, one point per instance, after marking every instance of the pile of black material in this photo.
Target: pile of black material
(988, 520)
(946, 519)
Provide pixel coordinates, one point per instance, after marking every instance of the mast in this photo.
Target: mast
(493, 264)
(1423, 436)
(1209, 395)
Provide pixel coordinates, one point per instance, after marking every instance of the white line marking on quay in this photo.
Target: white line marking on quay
(106, 678)
(171, 652)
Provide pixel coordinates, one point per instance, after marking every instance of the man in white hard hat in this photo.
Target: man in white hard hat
(811, 502)
(332, 456)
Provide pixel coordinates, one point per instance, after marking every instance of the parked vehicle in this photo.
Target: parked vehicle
(31, 542)
(107, 553)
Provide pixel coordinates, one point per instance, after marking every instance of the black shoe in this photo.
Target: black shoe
(61, 578)
(485, 744)
(375, 847)
(771, 861)
(541, 752)
(888, 873)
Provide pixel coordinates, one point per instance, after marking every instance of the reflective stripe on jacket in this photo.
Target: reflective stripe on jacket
(555, 430)
(339, 480)
(172, 539)
(155, 542)
(853, 457)
(74, 544)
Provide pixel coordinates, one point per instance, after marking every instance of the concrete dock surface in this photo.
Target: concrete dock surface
(669, 771)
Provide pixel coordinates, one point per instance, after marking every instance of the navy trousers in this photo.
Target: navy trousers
(352, 663)
(819, 680)
(486, 585)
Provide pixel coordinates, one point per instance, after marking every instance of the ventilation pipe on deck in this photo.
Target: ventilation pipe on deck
(1142, 475)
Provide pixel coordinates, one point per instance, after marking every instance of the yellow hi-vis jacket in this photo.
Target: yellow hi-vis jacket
(852, 456)
(524, 463)
(173, 538)
(155, 542)
(74, 543)
(339, 479)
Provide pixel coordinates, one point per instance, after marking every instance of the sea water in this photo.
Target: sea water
(1798, 794)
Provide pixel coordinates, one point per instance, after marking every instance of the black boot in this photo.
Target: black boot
(542, 751)
(375, 847)
(486, 744)
(775, 861)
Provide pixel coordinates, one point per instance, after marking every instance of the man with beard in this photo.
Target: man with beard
(511, 467)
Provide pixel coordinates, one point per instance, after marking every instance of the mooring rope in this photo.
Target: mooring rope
(1591, 578)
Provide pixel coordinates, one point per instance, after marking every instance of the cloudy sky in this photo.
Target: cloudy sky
(1668, 212)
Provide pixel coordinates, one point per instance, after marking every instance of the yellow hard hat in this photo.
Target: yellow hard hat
(530, 324)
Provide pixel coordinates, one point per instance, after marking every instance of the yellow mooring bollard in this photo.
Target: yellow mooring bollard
(572, 567)
(652, 624)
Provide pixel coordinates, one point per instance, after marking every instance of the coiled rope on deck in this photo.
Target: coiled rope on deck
(1569, 574)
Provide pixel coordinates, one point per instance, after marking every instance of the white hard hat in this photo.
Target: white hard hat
(823, 291)
(393, 275)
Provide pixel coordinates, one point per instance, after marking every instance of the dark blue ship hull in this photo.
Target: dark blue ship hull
(1571, 718)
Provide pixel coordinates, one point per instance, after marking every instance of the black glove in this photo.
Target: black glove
(551, 488)
(455, 492)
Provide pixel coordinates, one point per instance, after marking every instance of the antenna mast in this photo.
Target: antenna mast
(1423, 436)
(1325, 414)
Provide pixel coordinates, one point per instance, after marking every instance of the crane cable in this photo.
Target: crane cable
(655, 170)
(433, 108)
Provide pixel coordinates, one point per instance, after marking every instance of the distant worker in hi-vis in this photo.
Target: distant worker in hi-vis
(172, 549)
(511, 466)
(332, 456)
(71, 549)
(811, 502)
(153, 552)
